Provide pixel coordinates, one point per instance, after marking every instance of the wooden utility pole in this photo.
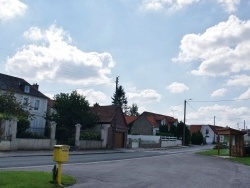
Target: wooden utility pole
(116, 104)
(183, 136)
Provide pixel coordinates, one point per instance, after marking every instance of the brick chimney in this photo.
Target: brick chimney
(36, 86)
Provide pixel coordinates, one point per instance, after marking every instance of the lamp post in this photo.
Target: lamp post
(183, 136)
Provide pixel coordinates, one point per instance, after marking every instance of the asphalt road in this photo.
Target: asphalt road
(175, 168)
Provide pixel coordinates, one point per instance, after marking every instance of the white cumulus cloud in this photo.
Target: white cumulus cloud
(239, 80)
(229, 5)
(170, 5)
(93, 96)
(11, 8)
(219, 92)
(175, 5)
(144, 96)
(52, 57)
(221, 49)
(245, 95)
(176, 87)
(224, 115)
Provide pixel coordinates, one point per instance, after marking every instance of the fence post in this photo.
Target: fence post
(52, 130)
(13, 128)
(52, 134)
(77, 135)
(13, 131)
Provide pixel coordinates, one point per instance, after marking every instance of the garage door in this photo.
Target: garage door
(119, 140)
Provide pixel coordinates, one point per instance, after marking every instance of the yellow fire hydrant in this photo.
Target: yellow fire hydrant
(60, 155)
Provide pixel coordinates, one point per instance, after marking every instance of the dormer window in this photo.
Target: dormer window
(26, 89)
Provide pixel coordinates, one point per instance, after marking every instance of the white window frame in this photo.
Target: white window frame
(26, 88)
(25, 102)
(37, 108)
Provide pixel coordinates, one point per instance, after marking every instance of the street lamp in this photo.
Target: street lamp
(183, 136)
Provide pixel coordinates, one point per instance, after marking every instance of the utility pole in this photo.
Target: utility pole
(183, 136)
(116, 104)
(214, 130)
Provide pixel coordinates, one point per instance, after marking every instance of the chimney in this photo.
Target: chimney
(35, 86)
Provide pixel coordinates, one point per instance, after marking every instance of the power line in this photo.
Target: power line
(224, 100)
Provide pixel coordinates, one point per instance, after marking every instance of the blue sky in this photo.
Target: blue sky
(164, 52)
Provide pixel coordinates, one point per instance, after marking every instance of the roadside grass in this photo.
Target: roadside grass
(225, 152)
(32, 179)
(213, 152)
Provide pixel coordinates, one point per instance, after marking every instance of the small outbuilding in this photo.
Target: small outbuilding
(235, 139)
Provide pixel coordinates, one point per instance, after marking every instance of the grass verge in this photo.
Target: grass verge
(213, 152)
(32, 179)
(225, 152)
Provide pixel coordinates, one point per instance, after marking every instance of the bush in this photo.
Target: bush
(135, 133)
(90, 136)
(22, 126)
(30, 135)
(197, 138)
(165, 134)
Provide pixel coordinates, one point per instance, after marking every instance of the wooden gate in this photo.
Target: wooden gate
(119, 140)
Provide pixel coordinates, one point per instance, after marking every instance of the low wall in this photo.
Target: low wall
(169, 143)
(27, 144)
(146, 141)
(4, 145)
(33, 144)
(145, 137)
(90, 144)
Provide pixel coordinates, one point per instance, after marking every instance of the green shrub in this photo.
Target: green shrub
(90, 136)
(165, 134)
(135, 133)
(197, 138)
(22, 125)
(30, 135)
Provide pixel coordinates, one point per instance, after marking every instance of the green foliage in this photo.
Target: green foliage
(28, 134)
(163, 129)
(71, 109)
(197, 138)
(22, 125)
(119, 98)
(90, 136)
(133, 110)
(179, 133)
(164, 134)
(136, 134)
(10, 108)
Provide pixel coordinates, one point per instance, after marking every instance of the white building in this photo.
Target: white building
(30, 97)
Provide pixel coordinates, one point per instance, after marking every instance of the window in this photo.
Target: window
(26, 89)
(25, 102)
(36, 104)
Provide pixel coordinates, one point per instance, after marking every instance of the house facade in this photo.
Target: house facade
(208, 131)
(112, 125)
(30, 97)
(148, 123)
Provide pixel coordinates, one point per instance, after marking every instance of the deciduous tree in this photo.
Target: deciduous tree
(71, 109)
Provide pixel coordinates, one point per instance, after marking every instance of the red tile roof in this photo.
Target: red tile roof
(195, 128)
(130, 119)
(105, 113)
(152, 121)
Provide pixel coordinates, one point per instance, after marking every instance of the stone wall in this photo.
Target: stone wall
(90, 144)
